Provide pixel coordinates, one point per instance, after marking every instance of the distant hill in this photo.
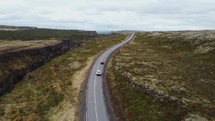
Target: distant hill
(41, 34)
(13, 28)
(126, 31)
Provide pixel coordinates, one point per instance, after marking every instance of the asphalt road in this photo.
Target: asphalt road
(95, 102)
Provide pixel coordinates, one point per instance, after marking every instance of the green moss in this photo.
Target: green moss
(2, 111)
(51, 101)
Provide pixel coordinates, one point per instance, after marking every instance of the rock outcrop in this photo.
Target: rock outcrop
(38, 57)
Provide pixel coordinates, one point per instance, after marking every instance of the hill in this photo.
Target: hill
(40, 34)
(14, 28)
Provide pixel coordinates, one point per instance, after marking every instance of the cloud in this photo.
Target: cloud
(110, 14)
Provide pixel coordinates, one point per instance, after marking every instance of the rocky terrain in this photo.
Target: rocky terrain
(165, 76)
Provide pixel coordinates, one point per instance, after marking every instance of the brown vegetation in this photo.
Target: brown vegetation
(16, 45)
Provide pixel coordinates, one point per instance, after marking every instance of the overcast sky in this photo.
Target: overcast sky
(146, 15)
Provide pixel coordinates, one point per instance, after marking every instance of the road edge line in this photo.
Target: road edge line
(108, 102)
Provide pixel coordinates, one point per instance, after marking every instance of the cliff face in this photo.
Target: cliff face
(15, 65)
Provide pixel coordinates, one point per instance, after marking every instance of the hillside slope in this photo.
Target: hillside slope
(165, 76)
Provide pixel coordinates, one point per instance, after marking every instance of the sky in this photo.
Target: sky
(146, 15)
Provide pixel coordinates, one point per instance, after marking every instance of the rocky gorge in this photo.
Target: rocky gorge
(15, 65)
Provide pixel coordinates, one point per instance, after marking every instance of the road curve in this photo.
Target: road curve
(95, 103)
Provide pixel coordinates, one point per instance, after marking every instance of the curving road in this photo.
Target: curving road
(95, 102)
